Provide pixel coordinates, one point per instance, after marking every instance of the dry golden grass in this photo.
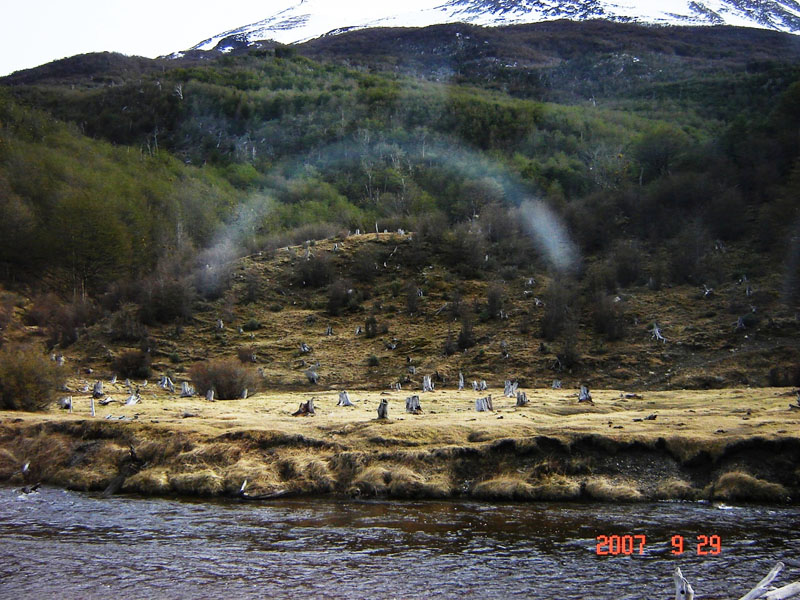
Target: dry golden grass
(738, 485)
(350, 451)
(612, 490)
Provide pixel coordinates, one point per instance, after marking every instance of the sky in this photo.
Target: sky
(34, 32)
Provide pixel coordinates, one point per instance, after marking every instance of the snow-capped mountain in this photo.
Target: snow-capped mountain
(295, 21)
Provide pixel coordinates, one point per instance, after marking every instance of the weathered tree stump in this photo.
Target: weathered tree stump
(210, 395)
(65, 403)
(556, 384)
(187, 391)
(655, 334)
(92, 407)
(132, 399)
(484, 404)
(312, 376)
(113, 379)
(383, 409)
(460, 380)
(304, 348)
(306, 409)
(510, 388)
(413, 406)
(522, 398)
(427, 384)
(97, 390)
(584, 395)
(329, 330)
(344, 399)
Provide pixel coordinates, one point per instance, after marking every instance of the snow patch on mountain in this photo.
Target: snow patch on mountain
(308, 19)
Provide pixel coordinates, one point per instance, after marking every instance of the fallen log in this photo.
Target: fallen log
(763, 589)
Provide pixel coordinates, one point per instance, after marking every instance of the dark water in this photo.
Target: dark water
(58, 544)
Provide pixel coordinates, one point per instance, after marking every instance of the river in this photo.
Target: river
(60, 544)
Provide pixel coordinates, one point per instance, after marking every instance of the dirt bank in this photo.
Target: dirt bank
(736, 445)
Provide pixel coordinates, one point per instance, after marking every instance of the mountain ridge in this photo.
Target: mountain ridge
(311, 19)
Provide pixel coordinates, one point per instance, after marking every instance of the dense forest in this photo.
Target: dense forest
(124, 180)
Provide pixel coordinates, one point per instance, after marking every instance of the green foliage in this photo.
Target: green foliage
(28, 380)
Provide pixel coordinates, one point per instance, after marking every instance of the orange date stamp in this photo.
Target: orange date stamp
(627, 545)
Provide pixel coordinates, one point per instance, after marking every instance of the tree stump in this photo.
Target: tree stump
(306, 409)
(187, 391)
(97, 390)
(522, 398)
(344, 399)
(427, 384)
(556, 384)
(484, 404)
(304, 348)
(413, 406)
(460, 380)
(312, 376)
(210, 395)
(584, 395)
(510, 388)
(383, 409)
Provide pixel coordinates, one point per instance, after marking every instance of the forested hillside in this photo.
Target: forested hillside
(665, 153)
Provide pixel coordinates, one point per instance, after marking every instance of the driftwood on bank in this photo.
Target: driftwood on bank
(764, 589)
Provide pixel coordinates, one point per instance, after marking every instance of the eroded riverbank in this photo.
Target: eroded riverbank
(733, 445)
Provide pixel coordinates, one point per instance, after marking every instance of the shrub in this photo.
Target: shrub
(126, 326)
(370, 327)
(466, 337)
(246, 354)
(608, 318)
(28, 380)
(373, 361)
(252, 325)
(341, 296)
(228, 378)
(316, 271)
(166, 301)
(556, 312)
(364, 267)
(133, 364)
(66, 322)
(494, 301)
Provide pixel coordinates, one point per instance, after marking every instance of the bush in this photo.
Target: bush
(370, 327)
(167, 301)
(228, 378)
(373, 361)
(494, 301)
(466, 337)
(341, 296)
(556, 312)
(126, 326)
(252, 325)
(315, 272)
(608, 317)
(246, 354)
(28, 380)
(134, 364)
